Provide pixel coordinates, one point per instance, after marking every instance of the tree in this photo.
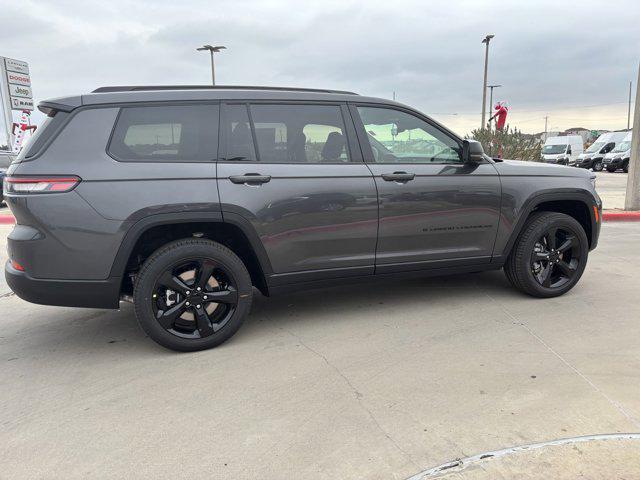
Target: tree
(515, 144)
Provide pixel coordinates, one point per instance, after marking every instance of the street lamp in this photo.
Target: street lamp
(491, 87)
(486, 41)
(212, 50)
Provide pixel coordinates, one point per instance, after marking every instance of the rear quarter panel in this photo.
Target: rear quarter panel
(87, 225)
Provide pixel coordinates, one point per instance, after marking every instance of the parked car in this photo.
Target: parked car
(562, 150)
(5, 161)
(182, 199)
(2, 175)
(618, 158)
(594, 155)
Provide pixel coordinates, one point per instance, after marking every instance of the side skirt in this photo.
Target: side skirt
(281, 289)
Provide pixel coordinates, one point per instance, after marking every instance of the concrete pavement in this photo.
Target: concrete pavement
(612, 188)
(373, 381)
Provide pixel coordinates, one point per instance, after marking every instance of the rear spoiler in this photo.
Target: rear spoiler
(66, 104)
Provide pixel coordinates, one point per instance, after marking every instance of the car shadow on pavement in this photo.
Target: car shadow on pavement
(68, 331)
(334, 304)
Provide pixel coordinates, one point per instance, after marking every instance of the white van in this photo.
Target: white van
(594, 155)
(562, 150)
(619, 156)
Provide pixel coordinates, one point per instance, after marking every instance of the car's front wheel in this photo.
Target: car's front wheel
(549, 256)
(192, 294)
(597, 166)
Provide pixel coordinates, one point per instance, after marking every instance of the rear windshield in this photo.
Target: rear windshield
(167, 133)
(45, 131)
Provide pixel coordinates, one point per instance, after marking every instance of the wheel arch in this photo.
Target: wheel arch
(578, 204)
(151, 232)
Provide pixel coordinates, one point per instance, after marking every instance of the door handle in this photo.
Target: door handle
(398, 177)
(250, 178)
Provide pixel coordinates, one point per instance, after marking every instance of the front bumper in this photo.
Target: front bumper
(64, 293)
(616, 162)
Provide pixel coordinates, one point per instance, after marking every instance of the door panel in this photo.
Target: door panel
(296, 174)
(445, 212)
(434, 209)
(308, 217)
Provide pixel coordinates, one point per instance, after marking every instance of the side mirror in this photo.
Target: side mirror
(472, 151)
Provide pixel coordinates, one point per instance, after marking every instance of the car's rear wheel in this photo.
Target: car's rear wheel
(549, 256)
(192, 294)
(597, 166)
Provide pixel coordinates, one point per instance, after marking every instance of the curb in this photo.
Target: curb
(620, 216)
(607, 216)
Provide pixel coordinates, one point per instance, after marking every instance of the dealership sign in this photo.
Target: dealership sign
(17, 83)
(16, 104)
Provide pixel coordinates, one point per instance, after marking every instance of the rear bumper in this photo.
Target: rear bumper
(64, 293)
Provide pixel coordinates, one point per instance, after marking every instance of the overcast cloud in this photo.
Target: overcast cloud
(572, 62)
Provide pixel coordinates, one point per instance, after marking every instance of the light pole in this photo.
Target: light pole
(629, 110)
(486, 41)
(212, 50)
(491, 87)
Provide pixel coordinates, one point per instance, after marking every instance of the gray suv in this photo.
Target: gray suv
(182, 199)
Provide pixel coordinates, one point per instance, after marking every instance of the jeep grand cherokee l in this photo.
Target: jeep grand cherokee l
(183, 199)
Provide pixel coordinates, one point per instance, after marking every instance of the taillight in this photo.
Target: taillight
(17, 266)
(49, 184)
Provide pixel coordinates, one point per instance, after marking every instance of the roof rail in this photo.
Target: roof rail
(135, 88)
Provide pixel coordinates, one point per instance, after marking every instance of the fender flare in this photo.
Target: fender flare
(536, 199)
(136, 230)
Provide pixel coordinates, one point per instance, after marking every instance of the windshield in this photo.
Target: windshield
(553, 149)
(622, 147)
(595, 147)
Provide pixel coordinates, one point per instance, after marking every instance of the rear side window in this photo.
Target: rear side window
(286, 133)
(171, 133)
(300, 133)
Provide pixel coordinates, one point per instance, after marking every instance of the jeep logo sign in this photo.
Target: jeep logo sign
(19, 91)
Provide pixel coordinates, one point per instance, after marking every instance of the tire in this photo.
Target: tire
(625, 167)
(597, 166)
(520, 268)
(611, 169)
(224, 277)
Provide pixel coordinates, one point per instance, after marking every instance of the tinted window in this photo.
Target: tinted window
(166, 133)
(238, 133)
(300, 133)
(398, 137)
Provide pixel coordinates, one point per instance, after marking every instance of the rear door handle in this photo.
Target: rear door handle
(398, 177)
(250, 178)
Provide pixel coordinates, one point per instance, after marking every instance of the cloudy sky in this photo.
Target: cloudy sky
(570, 61)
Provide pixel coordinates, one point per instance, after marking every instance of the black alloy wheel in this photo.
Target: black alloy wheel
(194, 298)
(597, 166)
(555, 258)
(549, 256)
(192, 294)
